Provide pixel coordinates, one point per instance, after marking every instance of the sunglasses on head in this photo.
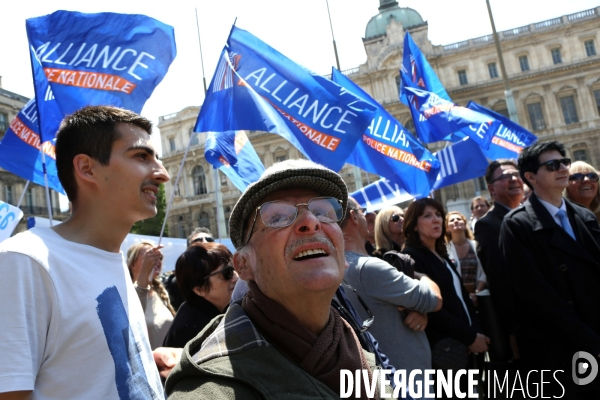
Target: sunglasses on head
(554, 165)
(206, 239)
(280, 213)
(396, 217)
(578, 177)
(226, 271)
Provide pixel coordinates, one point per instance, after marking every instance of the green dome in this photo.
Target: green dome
(407, 16)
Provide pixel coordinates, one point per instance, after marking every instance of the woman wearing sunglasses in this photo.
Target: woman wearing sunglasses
(144, 261)
(583, 186)
(206, 279)
(389, 233)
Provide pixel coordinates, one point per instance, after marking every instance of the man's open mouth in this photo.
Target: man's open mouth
(308, 254)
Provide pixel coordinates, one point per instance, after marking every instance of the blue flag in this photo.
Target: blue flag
(446, 117)
(417, 73)
(460, 162)
(21, 149)
(234, 155)
(379, 194)
(389, 150)
(95, 59)
(508, 139)
(257, 88)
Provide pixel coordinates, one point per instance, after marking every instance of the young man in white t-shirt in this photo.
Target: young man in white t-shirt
(71, 324)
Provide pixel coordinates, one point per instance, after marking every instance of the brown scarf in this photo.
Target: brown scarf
(322, 356)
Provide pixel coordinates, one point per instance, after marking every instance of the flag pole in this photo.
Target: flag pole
(221, 228)
(47, 187)
(510, 101)
(356, 173)
(337, 60)
(187, 149)
(23, 194)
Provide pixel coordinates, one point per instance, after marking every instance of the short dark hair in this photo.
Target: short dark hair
(196, 231)
(91, 131)
(194, 265)
(352, 206)
(486, 201)
(411, 218)
(529, 158)
(494, 165)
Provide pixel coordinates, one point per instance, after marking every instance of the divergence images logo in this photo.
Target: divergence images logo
(583, 364)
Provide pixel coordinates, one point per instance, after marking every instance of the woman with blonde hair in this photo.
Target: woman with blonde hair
(144, 261)
(462, 251)
(388, 230)
(583, 186)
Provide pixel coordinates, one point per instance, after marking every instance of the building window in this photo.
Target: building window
(556, 57)
(204, 220)
(30, 200)
(580, 155)
(224, 180)
(3, 122)
(172, 144)
(536, 117)
(524, 63)
(199, 181)
(462, 77)
(590, 48)
(181, 227)
(597, 97)
(493, 70)
(8, 194)
(281, 158)
(193, 137)
(569, 110)
(410, 126)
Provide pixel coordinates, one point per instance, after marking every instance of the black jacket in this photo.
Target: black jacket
(190, 319)
(556, 281)
(451, 321)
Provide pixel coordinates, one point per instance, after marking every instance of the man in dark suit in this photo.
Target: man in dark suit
(506, 189)
(552, 249)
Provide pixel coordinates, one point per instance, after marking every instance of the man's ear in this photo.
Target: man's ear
(530, 176)
(242, 265)
(84, 167)
(202, 292)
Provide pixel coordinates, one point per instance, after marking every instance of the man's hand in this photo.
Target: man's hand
(480, 344)
(415, 321)
(166, 358)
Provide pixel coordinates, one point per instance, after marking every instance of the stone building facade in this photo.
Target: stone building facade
(12, 186)
(553, 69)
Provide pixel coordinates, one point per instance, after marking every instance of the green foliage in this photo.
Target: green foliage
(152, 226)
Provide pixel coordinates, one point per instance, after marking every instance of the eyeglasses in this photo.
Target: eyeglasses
(578, 177)
(366, 324)
(280, 213)
(206, 239)
(554, 165)
(363, 209)
(396, 217)
(227, 273)
(507, 177)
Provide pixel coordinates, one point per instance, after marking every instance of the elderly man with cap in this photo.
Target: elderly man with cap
(283, 339)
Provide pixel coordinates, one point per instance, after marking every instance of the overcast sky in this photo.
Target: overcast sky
(298, 29)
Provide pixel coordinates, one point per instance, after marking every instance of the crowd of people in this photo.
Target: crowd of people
(317, 285)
